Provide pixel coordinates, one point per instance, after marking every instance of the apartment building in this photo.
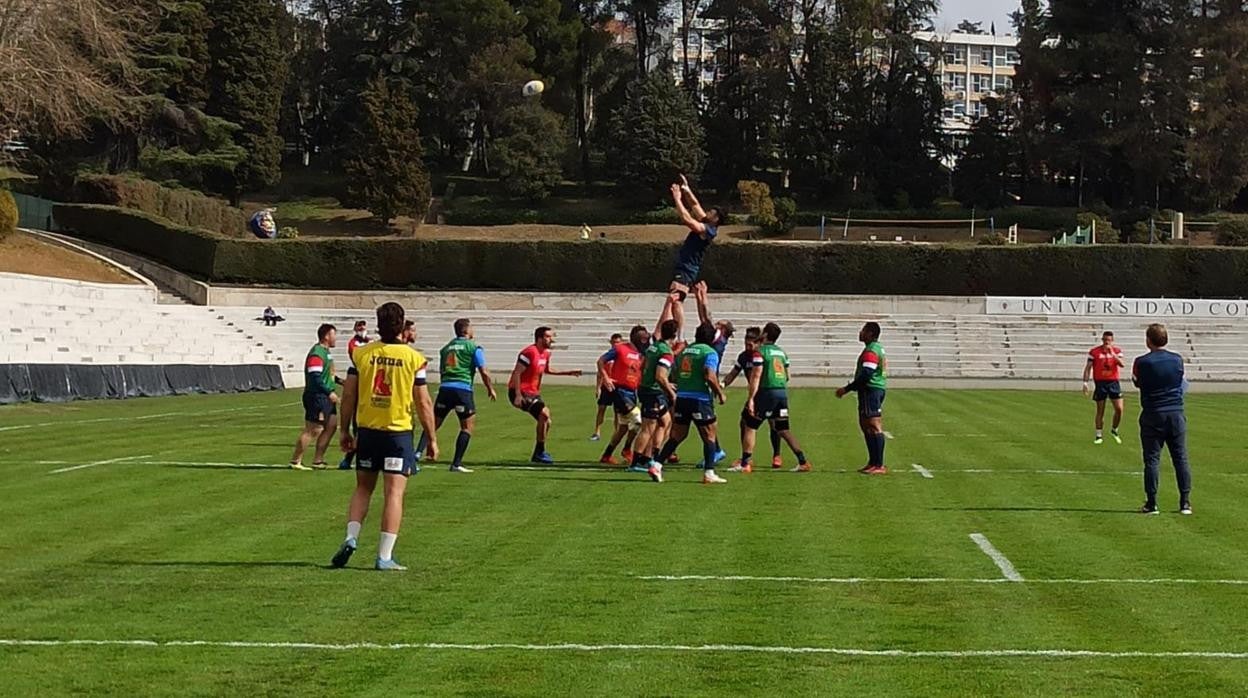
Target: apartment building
(971, 67)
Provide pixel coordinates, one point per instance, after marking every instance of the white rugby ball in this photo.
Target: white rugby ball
(533, 88)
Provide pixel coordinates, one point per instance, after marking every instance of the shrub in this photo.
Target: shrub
(181, 206)
(529, 150)
(785, 216)
(1232, 232)
(8, 214)
(1105, 231)
(288, 232)
(188, 249)
(993, 240)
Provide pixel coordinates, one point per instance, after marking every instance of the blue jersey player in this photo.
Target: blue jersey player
(703, 227)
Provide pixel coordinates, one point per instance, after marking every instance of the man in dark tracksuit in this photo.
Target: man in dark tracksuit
(1159, 376)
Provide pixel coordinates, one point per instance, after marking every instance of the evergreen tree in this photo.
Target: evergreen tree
(384, 170)
(656, 134)
(245, 86)
(1219, 145)
(528, 151)
(983, 170)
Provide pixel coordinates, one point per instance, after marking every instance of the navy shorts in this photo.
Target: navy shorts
(769, 403)
(606, 398)
(700, 411)
(625, 400)
(387, 452)
(653, 405)
(317, 409)
(685, 276)
(1107, 390)
(529, 403)
(870, 403)
(455, 400)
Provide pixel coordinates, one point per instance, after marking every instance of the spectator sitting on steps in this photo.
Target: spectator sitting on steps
(270, 317)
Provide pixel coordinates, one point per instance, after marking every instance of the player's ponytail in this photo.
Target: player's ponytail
(390, 317)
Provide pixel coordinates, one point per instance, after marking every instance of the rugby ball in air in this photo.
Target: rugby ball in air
(533, 88)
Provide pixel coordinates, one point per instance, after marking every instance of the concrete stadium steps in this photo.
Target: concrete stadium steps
(822, 347)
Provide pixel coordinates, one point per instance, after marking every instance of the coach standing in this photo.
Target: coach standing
(1159, 376)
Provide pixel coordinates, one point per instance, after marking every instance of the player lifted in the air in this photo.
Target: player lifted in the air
(703, 227)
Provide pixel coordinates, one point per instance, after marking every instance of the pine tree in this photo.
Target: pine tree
(656, 134)
(246, 83)
(1219, 145)
(384, 170)
(983, 169)
(529, 148)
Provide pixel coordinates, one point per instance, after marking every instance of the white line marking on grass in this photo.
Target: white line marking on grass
(922, 471)
(639, 647)
(1046, 471)
(161, 415)
(240, 466)
(1006, 567)
(98, 462)
(927, 580)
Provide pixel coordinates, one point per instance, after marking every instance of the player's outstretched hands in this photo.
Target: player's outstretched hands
(676, 192)
(840, 393)
(684, 182)
(577, 373)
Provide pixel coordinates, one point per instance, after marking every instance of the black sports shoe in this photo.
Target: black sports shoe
(1149, 508)
(343, 556)
(1185, 508)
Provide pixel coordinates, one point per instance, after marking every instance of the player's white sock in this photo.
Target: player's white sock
(353, 530)
(385, 547)
(1100, 433)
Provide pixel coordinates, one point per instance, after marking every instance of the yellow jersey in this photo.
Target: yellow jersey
(387, 374)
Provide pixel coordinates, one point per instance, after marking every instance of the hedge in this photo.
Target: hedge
(570, 267)
(182, 206)
(187, 249)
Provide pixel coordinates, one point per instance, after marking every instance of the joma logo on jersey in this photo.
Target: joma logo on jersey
(385, 361)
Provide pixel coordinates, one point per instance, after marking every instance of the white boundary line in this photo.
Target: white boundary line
(922, 471)
(161, 415)
(1003, 563)
(928, 580)
(127, 459)
(588, 648)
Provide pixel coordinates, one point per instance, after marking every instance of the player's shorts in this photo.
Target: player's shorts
(870, 403)
(1107, 390)
(606, 398)
(317, 409)
(531, 403)
(387, 452)
(456, 400)
(769, 404)
(653, 405)
(699, 411)
(625, 400)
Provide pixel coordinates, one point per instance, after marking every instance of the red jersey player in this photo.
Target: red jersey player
(620, 371)
(359, 339)
(1103, 364)
(524, 389)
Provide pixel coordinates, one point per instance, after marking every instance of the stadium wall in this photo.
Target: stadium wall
(65, 382)
(1147, 271)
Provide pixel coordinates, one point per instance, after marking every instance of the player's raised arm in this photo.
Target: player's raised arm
(686, 218)
(574, 372)
(350, 397)
(695, 206)
(704, 308)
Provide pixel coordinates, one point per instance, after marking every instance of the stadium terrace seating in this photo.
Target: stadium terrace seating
(822, 347)
(55, 321)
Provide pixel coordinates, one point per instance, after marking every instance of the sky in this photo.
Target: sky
(986, 11)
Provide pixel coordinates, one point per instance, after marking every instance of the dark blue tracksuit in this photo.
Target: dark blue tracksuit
(1159, 376)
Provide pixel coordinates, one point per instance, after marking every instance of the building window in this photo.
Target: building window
(959, 109)
(955, 55)
(1003, 83)
(985, 56)
(1004, 57)
(955, 82)
(982, 83)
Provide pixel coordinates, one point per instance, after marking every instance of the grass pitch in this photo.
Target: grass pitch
(581, 580)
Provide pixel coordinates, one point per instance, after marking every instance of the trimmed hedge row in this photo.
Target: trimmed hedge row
(570, 267)
(186, 249)
(182, 206)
